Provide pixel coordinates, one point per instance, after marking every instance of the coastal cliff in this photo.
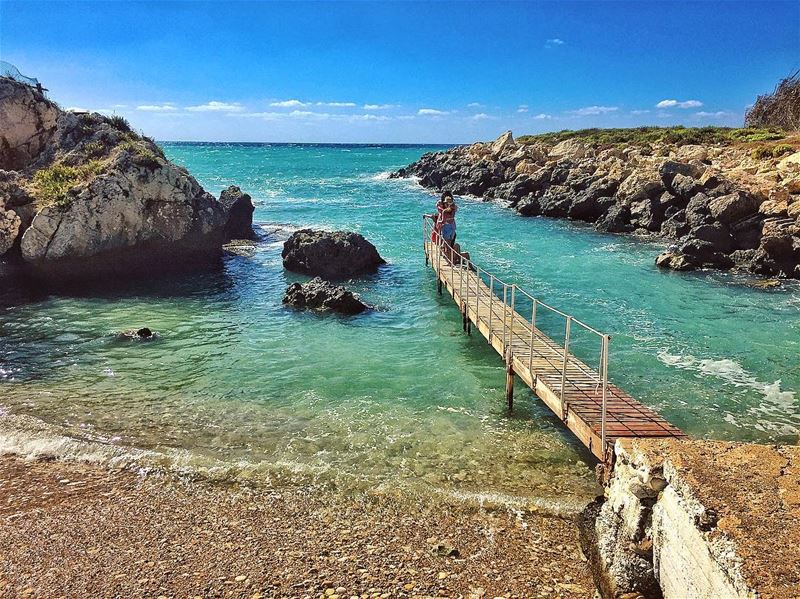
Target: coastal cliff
(727, 198)
(82, 194)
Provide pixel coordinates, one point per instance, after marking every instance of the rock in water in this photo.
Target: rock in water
(82, 195)
(337, 255)
(239, 207)
(321, 295)
(143, 334)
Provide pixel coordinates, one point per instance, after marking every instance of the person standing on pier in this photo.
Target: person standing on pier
(447, 218)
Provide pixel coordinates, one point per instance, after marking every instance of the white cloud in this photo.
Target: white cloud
(712, 115)
(215, 106)
(679, 104)
(431, 112)
(593, 110)
(306, 114)
(522, 108)
(298, 104)
(554, 42)
(379, 106)
(543, 116)
(269, 116)
(474, 105)
(288, 104)
(77, 109)
(640, 111)
(482, 116)
(310, 115)
(119, 106)
(169, 107)
(370, 117)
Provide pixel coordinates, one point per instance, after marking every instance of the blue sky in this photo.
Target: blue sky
(436, 72)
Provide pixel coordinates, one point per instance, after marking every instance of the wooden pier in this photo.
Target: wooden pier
(593, 408)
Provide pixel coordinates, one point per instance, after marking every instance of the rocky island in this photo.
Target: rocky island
(83, 195)
(725, 198)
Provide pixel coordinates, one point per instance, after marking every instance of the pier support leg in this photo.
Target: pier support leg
(466, 323)
(439, 286)
(509, 381)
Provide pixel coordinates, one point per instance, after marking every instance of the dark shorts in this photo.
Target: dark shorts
(449, 232)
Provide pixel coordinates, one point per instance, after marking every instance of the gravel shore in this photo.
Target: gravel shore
(78, 530)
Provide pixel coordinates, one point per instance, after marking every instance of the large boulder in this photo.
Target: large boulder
(503, 143)
(86, 196)
(323, 296)
(239, 208)
(332, 255)
(616, 220)
(670, 169)
(778, 255)
(730, 208)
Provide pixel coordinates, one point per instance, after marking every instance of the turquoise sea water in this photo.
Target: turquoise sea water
(400, 397)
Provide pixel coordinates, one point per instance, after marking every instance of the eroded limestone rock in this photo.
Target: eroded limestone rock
(697, 519)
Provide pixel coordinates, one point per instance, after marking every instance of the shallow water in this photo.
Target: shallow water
(238, 385)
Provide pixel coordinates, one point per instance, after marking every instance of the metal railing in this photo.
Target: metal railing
(507, 298)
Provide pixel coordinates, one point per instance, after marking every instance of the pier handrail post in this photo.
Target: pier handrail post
(425, 238)
(477, 296)
(533, 330)
(439, 260)
(491, 305)
(451, 260)
(463, 293)
(604, 370)
(513, 310)
(505, 312)
(566, 357)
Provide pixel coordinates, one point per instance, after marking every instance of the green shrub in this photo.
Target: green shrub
(641, 136)
(761, 152)
(776, 151)
(142, 155)
(781, 150)
(120, 123)
(94, 149)
(53, 184)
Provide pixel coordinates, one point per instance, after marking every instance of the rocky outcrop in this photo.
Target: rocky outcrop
(331, 255)
(722, 207)
(239, 208)
(323, 296)
(29, 123)
(697, 519)
(82, 195)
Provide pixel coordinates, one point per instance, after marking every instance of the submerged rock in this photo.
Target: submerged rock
(336, 255)
(318, 294)
(143, 334)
